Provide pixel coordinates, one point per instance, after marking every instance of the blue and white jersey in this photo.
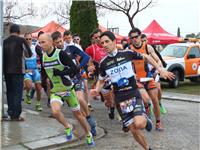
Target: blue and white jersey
(120, 70)
(31, 63)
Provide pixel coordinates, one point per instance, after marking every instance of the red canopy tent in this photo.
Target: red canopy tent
(157, 35)
(49, 28)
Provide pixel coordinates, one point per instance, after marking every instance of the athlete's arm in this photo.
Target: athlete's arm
(84, 57)
(153, 54)
(100, 82)
(70, 68)
(165, 74)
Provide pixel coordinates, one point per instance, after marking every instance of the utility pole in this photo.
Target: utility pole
(1, 57)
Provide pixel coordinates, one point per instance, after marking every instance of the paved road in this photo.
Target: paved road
(182, 129)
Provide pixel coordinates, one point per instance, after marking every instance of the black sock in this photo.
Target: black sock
(112, 109)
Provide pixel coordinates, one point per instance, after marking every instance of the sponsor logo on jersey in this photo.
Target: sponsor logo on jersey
(110, 62)
(118, 69)
(120, 58)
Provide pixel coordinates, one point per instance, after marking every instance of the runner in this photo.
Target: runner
(32, 74)
(156, 77)
(77, 40)
(147, 85)
(73, 52)
(97, 52)
(59, 68)
(118, 66)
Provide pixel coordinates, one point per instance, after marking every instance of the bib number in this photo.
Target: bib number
(128, 105)
(62, 94)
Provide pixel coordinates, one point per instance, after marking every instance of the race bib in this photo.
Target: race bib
(62, 94)
(128, 105)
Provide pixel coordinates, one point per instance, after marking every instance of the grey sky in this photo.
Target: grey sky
(170, 14)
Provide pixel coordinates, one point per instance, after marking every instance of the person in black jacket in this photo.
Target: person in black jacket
(15, 49)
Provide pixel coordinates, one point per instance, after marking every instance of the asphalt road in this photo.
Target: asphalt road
(181, 128)
(181, 123)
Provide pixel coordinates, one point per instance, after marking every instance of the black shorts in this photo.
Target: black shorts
(137, 109)
(79, 86)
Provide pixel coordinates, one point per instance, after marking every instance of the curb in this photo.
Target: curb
(181, 97)
(54, 143)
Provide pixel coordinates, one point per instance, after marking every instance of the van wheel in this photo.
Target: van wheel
(175, 83)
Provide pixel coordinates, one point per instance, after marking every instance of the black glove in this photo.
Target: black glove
(64, 72)
(57, 72)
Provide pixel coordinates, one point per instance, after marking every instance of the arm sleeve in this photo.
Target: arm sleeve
(70, 68)
(102, 73)
(134, 55)
(38, 50)
(84, 57)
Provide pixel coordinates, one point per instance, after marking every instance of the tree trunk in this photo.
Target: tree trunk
(131, 22)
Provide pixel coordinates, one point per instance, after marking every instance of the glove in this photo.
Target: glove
(57, 72)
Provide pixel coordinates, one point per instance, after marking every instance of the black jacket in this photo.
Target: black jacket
(15, 48)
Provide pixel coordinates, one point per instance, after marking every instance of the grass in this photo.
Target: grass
(185, 87)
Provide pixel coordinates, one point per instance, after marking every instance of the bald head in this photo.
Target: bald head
(46, 42)
(45, 36)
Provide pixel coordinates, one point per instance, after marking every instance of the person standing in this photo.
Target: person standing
(15, 49)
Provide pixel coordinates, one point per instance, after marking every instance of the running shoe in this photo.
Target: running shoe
(162, 109)
(92, 124)
(159, 126)
(69, 134)
(27, 99)
(90, 140)
(38, 106)
(149, 125)
(125, 128)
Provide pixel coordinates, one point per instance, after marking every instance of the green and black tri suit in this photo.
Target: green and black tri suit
(59, 67)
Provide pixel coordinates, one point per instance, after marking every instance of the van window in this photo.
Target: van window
(195, 51)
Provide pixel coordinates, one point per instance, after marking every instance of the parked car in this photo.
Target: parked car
(183, 59)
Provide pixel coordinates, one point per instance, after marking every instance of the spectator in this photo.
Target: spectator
(125, 43)
(14, 49)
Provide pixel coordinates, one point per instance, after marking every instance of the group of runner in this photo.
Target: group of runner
(126, 79)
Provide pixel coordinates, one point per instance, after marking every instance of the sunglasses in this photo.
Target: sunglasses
(77, 39)
(133, 37)
(28, 39)
(97, 37)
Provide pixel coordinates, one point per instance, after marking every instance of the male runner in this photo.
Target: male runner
(59, 68)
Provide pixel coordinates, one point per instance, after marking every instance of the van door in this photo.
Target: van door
(192, 61)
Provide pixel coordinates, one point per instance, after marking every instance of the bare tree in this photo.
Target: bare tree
(129, 7)
(17, 11)
(61, 9)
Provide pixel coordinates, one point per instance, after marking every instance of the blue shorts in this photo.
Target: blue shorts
(34, 76)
